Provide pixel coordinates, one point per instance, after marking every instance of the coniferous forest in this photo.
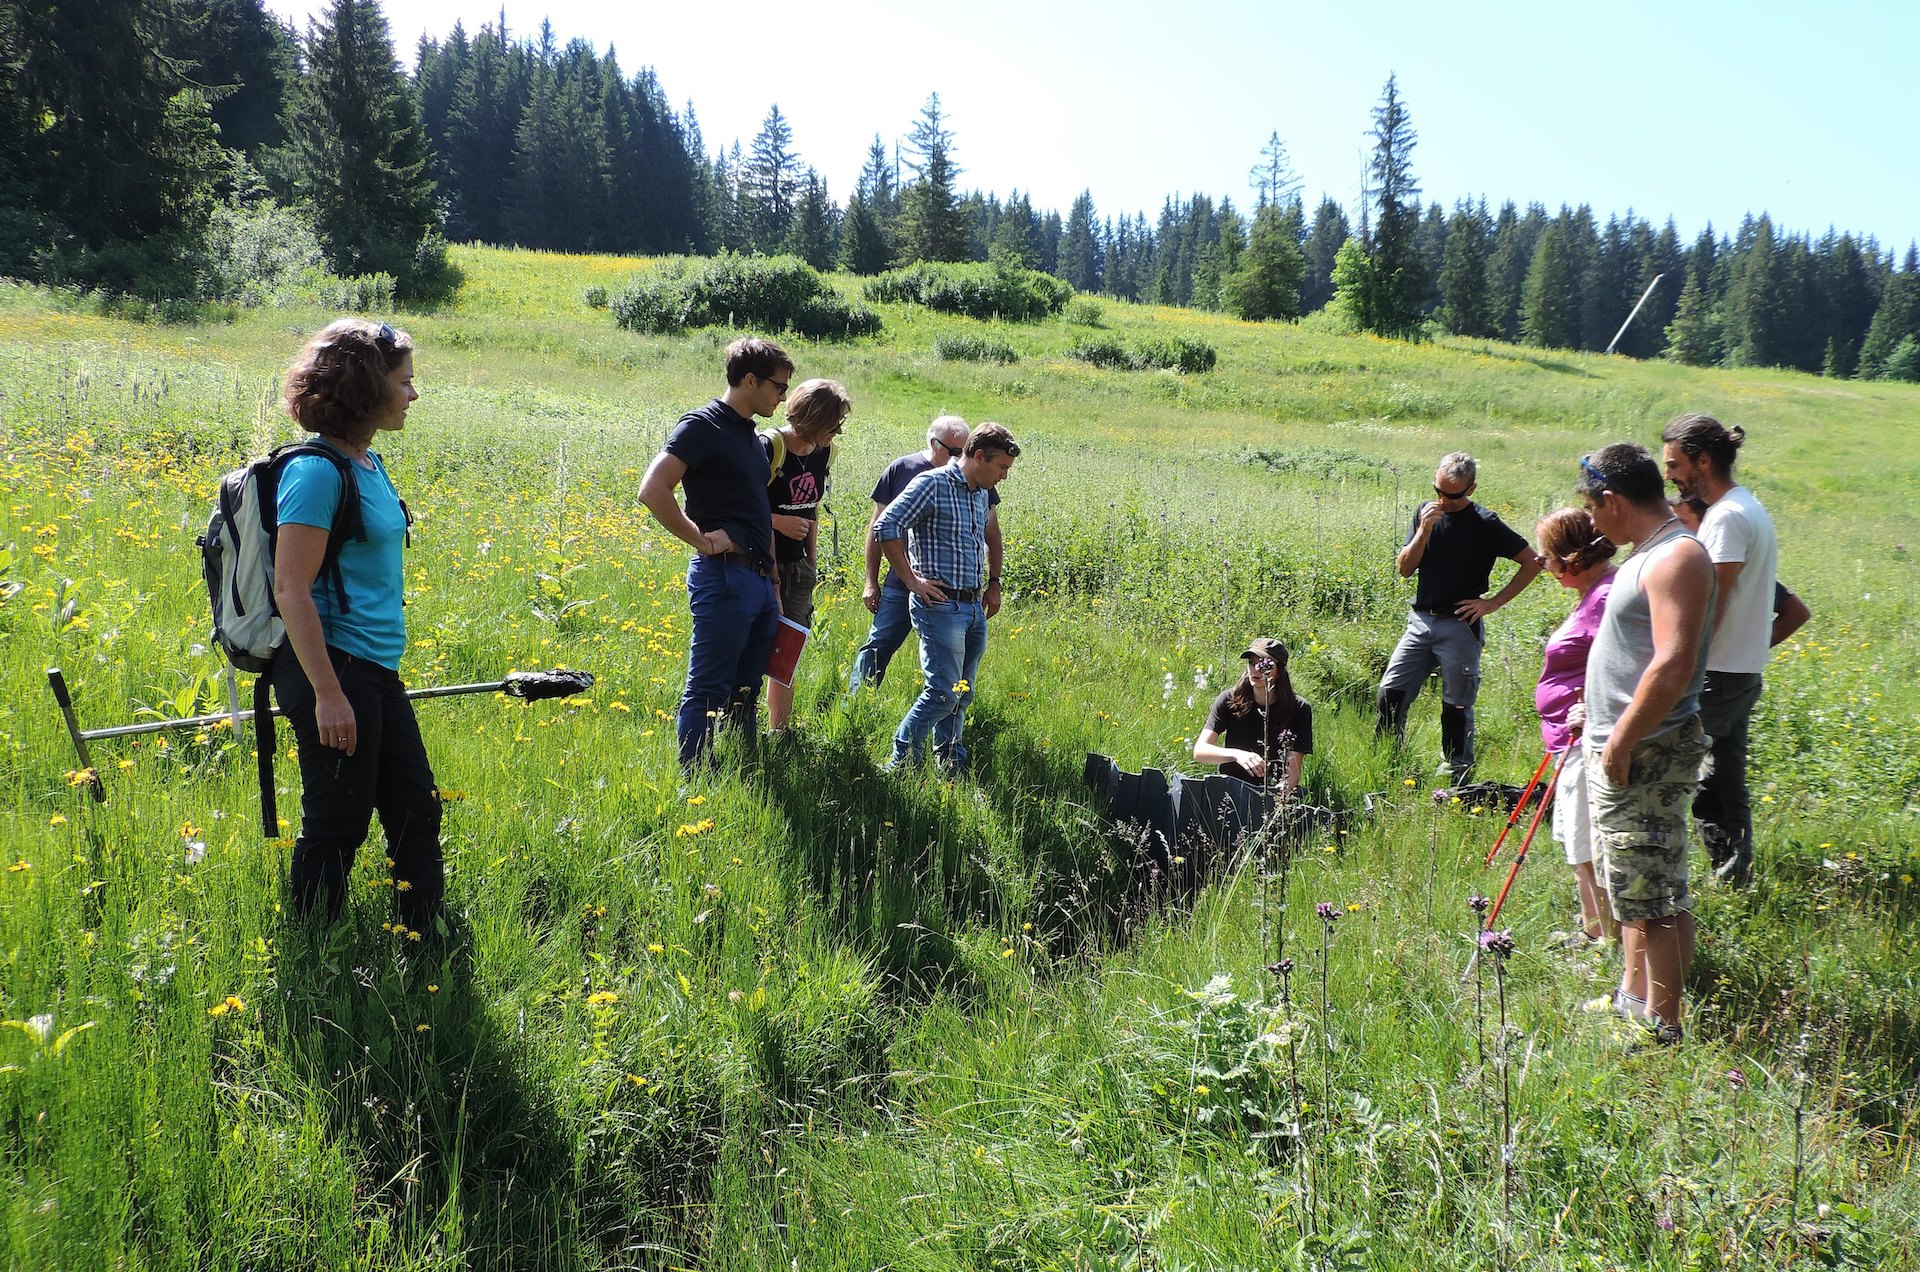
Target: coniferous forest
(193, 151)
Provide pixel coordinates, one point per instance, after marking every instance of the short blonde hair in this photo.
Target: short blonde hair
(817, 409)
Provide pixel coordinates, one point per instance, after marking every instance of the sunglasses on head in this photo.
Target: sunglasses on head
(1596, 479)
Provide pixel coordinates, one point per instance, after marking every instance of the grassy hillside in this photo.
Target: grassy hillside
(803, 1014)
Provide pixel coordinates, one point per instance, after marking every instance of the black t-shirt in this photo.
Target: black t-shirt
(1458, 562)
(726, 479)
(796, 491)
(1243, 733)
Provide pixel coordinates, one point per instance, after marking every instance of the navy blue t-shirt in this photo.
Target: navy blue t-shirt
(1458, 562)
(726, 481)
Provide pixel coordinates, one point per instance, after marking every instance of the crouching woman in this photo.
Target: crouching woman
(337, 678)
(1259, 731)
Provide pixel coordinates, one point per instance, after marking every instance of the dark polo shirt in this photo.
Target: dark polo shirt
(726, 481)
(1458, 562)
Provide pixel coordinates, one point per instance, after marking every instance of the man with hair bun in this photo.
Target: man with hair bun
(1698, 452)
(1452, 545)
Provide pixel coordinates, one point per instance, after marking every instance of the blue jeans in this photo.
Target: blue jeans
(890, 627)
(953, 635)
(735, 612)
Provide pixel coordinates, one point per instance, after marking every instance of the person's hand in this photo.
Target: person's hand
(1430, 515)
(1616, 762)
(870, 597)
(791, 526)
(1577, 719)
(1474, 610)
(926, 589)
(333, 717)
(993, 598)
(718, 542)
(1253, 762)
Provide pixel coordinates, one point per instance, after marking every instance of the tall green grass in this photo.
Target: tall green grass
(801, 1012)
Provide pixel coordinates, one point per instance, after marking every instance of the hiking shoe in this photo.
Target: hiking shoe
(1655, 1036)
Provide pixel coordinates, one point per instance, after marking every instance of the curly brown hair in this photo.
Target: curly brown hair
(1569, 542)
(339, 383)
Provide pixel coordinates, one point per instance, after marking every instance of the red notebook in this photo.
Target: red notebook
(788, 640)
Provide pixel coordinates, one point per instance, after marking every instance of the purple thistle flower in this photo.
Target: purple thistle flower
(1478, 904)
(1329, 912)
(1283, 968)
(1500, 942)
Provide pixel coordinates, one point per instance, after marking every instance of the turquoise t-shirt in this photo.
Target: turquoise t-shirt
(374, 626)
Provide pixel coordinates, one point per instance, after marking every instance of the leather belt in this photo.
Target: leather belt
(737, 557)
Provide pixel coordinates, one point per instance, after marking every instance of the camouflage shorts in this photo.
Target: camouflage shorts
(1640, 830)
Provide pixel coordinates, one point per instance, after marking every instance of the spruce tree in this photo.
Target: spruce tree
(1267, 283)
(769, 182)
(355, 154)
(1273, 178)
(931, 225)
(1897, 319)
(1547, 308)
(1693, 337)
(1465, 307)
(1330, 230)
(1080, 246)
(1399, 278)
(1754, 305)
(811, 234)
(863, 244)
(244, 59)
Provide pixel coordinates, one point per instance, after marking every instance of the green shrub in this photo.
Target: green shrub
(777, 293)
(974, 290)
(1189, 357)
(1084, 312)
(974, 349)
(595, 297)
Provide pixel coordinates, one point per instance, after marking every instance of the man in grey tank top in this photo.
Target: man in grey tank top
(1643, 742)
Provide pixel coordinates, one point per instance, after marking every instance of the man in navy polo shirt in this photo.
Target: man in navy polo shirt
(887, 602)
(1452, 546)
(715, 453)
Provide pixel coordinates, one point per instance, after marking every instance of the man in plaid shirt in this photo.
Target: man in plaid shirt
(934, 536)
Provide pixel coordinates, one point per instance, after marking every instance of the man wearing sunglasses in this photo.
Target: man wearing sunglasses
(946, 441)
(717, 457)
(1452, 545)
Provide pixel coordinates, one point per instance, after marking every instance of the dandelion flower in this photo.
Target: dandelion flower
(602, 997)
(58, 819)
(18, 866)
(656, 948)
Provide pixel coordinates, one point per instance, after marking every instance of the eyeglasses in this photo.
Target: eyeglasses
(778, 384)
(1461, 493)
(1596, 478)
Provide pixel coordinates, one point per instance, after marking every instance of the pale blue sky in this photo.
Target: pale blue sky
(1704, 111)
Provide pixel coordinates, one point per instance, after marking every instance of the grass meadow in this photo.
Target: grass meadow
(801, 1014)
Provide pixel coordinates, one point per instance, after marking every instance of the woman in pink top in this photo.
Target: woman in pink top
(1582, 559)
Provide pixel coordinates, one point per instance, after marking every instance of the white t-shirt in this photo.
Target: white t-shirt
(1737, 528)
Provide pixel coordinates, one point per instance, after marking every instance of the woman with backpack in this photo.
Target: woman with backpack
(799, 454)
(339, 592)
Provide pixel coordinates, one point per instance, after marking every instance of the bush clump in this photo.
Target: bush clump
(1189, 357)
(773, 293)
(974, 349)
(974, 290)
(1084, 312)
(594, 296)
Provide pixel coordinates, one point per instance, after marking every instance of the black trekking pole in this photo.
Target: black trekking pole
(528, 686)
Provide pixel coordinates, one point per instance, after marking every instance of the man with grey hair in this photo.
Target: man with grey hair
(946, 439)
(1452, 546)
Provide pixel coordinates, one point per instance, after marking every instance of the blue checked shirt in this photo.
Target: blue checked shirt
(945, 525)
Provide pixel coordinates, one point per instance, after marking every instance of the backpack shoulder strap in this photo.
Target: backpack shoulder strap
(776, 443)
(347, 520)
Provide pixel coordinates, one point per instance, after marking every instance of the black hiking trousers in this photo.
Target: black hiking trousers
(387, 773)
